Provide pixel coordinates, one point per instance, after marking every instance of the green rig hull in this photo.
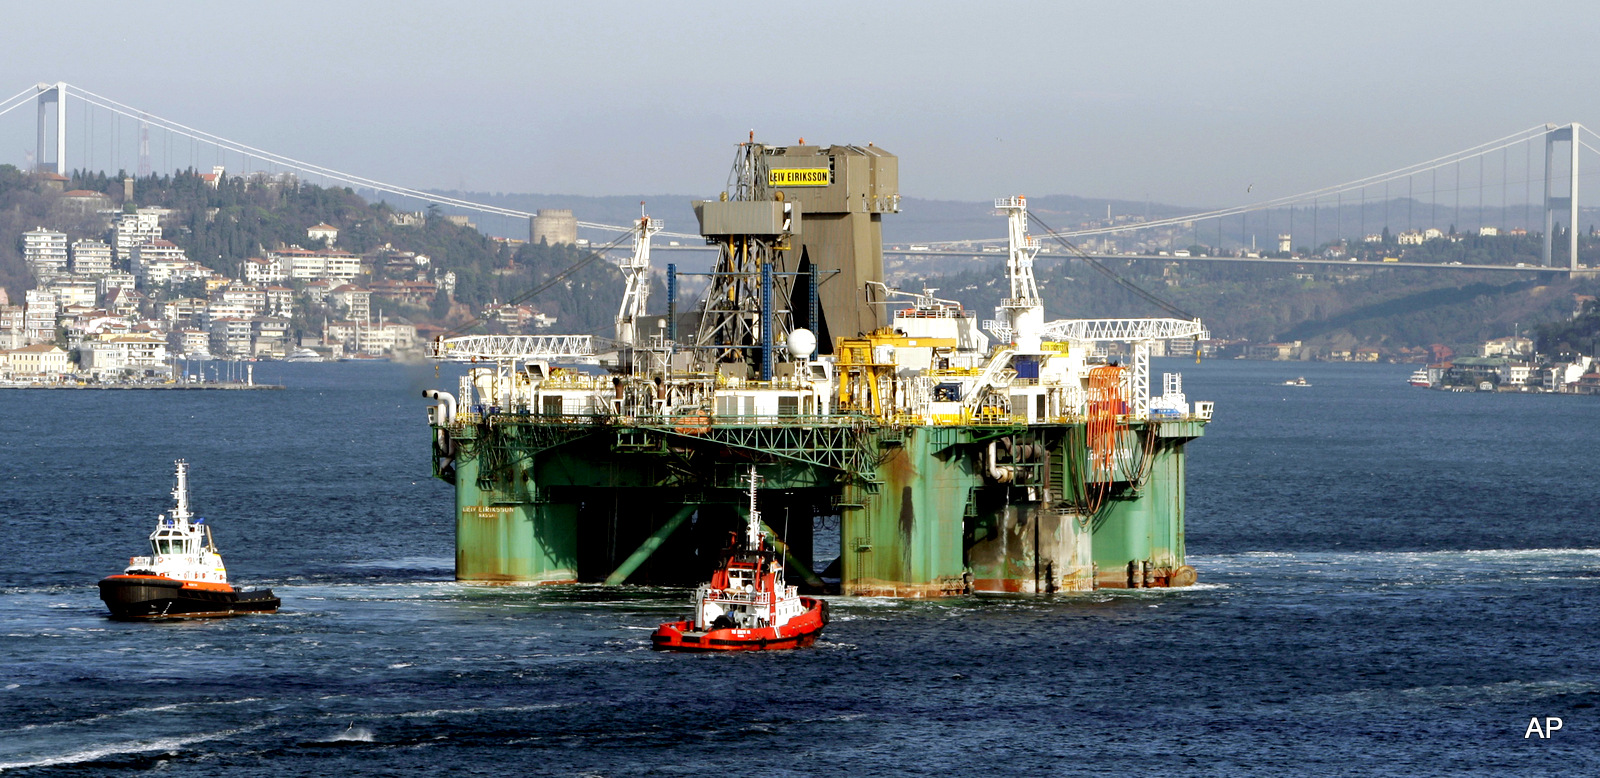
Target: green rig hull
(920, 511)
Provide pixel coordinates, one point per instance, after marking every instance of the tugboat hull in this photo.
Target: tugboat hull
(799, 632)
(156, 598)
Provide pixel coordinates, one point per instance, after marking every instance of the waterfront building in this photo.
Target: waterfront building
(45, 361)
(1507, 347)
(269, 335)
(134, 351)
(188, 341)
(355, 301)
(229, 335)
(386, 338)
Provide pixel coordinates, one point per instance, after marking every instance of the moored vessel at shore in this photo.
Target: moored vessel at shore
(747, 606)
(183, 577)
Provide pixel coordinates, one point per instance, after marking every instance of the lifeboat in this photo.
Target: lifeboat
(747, 606)
(183, 577)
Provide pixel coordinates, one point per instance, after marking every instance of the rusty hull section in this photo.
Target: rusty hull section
(923, 511)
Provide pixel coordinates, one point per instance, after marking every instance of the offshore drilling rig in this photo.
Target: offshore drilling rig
(947, 464)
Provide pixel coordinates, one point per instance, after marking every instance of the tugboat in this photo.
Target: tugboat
(746, 606)
(183, 578)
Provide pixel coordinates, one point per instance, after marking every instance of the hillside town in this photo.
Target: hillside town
(115, 300)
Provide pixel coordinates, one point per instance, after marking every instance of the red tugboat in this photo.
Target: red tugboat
(183, 578)
(747, 606)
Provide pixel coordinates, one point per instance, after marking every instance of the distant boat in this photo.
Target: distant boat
(1301, 381)
(1420, 378)
(303, 355)
(364, 358)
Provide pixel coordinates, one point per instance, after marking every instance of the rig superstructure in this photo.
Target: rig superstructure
(949, 465)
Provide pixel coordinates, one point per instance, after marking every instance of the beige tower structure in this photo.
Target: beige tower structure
(844, 191)
(553, 225)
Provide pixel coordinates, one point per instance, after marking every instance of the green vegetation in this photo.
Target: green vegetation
(242, 218)
(1577, 335)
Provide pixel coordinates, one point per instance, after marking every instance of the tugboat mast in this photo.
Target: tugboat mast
(753, 529)
(180, 495)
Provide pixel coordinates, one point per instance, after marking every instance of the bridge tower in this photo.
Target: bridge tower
(1552, 203)
(56, 94)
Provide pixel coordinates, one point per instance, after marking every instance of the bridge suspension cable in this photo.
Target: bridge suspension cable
(1312, 195)
(1141, 292)
(178, 128)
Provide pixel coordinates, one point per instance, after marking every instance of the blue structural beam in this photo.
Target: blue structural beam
(672, 301)
(766, 322)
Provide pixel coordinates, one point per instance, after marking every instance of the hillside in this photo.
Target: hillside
(221, 226)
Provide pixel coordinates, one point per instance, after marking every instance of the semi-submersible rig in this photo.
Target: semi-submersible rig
(948, 464)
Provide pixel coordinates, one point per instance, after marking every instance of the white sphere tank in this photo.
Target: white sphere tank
(802, 343)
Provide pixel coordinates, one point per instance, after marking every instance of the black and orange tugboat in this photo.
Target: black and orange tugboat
(747, 606)
(183, 578)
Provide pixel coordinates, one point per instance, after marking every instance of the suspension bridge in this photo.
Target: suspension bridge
(81, 130)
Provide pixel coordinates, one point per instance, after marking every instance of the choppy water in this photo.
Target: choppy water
(1393, 582)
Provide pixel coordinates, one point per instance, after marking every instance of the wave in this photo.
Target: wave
(93, 753)
(129, 712)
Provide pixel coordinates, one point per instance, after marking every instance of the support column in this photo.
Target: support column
(1552, 203)
(52, 93)
(1572, 200)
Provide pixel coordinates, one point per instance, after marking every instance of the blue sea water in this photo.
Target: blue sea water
(1393, 582)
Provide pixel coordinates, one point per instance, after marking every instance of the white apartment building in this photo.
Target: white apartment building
(269, 335)
(155, 252)
(188, 341)
(242, 294)
(39, 322)
(221, 310)
(303, 265)
(115, 280)
(280, 301)
(91, 257)
(125, 352)
(264, 270)
(184, 310)
(134, 229)
(45, 251)
(229, 335)
(71, 292)
(11, 324)
(356, 302)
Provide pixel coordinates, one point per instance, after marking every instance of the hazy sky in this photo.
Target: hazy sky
(1187, 103)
